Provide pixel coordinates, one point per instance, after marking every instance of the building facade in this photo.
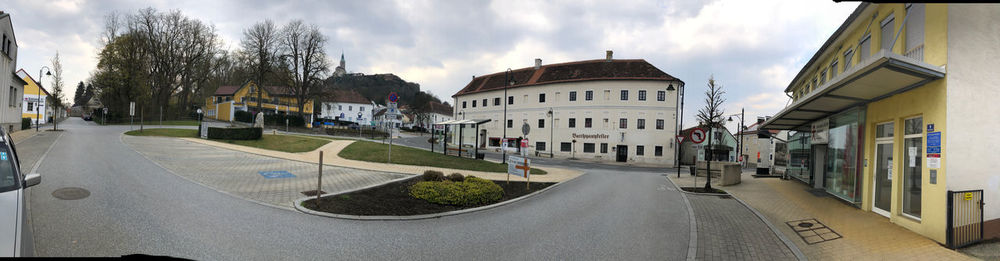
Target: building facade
(10, 100)
(896, 109)
(35, 102)
(606, 109)
(723, 147)
(345, 105)
(275, 100)
(763, 150)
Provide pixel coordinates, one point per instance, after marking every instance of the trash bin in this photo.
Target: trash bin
(480, 155)
(692, 168)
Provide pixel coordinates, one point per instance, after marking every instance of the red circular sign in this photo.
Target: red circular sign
(393, 97)
(698, 135)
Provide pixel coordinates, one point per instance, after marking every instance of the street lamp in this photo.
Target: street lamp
(39, 97)
(509, 80)
(739, 132)
(679, 124)
(551, 129)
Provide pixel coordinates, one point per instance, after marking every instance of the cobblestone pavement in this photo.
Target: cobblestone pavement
(238, 173)
(727, 230)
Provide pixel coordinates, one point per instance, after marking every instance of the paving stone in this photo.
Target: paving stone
(730, 231)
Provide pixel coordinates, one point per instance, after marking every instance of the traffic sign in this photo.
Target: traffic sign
(525, 129)
(680, 138)
(393, 97)
(698, 135)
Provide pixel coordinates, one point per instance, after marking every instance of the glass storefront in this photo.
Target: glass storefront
(842, 177)
(799, 150)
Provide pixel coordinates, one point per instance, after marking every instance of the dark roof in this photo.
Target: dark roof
(590, 70)
(345, 96)
(440, 108)
(379, 112)
(230, 90)
(226, 90)
(279, 90)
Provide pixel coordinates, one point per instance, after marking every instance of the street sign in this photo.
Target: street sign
(525, 129)
(518, 166)
(680, 139)
(698, 135)
(393, 97)
(131, 108)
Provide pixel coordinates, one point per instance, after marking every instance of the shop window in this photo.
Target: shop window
(588, 148)
(604, 148)
(565, 147)
(913, 143)
(842, 164)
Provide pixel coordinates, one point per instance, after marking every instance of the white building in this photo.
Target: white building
(35, 102)
(605, 109)
(346, 105)
(10, 101)
(436, 112)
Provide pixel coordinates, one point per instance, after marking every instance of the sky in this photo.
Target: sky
(752, 48)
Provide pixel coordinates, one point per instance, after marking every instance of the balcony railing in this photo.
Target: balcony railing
(917, 53)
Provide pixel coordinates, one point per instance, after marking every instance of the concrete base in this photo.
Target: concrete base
(728, 172)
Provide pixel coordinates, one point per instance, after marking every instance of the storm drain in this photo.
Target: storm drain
(71, 193)
(812, 231)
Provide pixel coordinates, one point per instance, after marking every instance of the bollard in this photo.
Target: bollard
(319, 179)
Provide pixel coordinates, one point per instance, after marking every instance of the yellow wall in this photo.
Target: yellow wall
(223, 113)
(928, 101)
(32, 89)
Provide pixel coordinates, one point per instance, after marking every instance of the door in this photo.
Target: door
(882, 189)
(622, 152)
(819, 170)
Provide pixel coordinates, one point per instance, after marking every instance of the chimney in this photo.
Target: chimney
(609, 54)
(538, 63)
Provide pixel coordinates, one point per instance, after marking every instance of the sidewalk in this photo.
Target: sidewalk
(330, 157)
(839, 231)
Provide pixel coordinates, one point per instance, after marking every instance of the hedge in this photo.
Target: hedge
(470, 192)
(234, 133)
(25, 123)
(271, 119)
(243, 116)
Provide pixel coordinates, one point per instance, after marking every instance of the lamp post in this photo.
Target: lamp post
(739, 132)
(507, 83)
(551, 129)
(39, 97)
(679, 124)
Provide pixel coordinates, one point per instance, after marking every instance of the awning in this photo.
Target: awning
(457, 122)
(880, 76)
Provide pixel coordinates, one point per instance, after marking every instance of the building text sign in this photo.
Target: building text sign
(934, 150)
(590, 136)
(820, 132)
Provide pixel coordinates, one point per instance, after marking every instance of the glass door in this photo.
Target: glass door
(882, 180)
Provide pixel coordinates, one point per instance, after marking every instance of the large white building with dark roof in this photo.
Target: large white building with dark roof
(605, 109)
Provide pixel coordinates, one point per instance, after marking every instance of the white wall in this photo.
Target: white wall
(527, 108)
(43, 109)
(971, 141)
(331, 110)
(10, 111)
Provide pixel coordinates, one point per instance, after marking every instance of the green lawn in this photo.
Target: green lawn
(165, 123)
(286, 143)
(165, 132)
(378, 152)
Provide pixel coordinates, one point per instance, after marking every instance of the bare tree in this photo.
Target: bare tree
(303, 47)
(260, 45)
(711, 116)
(57, 88)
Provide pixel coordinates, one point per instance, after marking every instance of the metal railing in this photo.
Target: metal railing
(965, 218)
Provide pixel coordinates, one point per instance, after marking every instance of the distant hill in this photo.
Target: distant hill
(376, 87)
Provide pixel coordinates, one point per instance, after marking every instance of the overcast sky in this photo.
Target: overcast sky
(753, 48)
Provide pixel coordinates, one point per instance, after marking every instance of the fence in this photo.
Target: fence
(965, 218)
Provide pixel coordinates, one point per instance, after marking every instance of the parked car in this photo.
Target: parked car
(15, 235)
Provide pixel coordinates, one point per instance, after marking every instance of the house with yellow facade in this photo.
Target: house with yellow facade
(274, 100)
(896, 114)
(34, 104)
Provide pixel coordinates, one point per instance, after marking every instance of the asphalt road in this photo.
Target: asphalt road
(135, 206)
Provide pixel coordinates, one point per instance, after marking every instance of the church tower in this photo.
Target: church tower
(342, 69)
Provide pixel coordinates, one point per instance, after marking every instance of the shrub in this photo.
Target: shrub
(234, 133)
(243, 116)
(433, 175)
(25, 123)
(456, 177)
(472, 191)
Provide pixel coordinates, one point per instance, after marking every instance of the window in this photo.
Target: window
(661, 95)
(659, 124)
(658, 151)
(848, 55)
(572, 96)
(473, 103)
(604, 148)
(510, 123)
(31, 106)
(541, 98)
(540, 146)
(913, 141)
(588, 122)
(496, 101)
(813, 85)
(565, 147)
(833, 69)
(887, 32)
(341, 107)
(865, 48)
(915, 31)
(607, 95)
(640, 150)
(362, 108)
(588, 148)
(484, 102)
(541, 123)
(463, 105)
(351, 108)
(572, 122)
(642, 95)
(622, 123)
(510, 100)
(640, 124)
(624, 95)
(588, 95)
(822, 77)
(10, 97)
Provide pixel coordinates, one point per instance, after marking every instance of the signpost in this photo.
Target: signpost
(519, 166)
(131, 114)
(391, 114)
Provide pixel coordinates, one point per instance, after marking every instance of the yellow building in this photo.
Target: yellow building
(276, 100)
(35, 102)
(896, 115)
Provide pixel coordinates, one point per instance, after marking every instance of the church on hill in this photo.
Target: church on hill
(342, 68)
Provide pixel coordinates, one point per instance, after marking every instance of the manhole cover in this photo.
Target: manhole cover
(71, 193)
(805, 224)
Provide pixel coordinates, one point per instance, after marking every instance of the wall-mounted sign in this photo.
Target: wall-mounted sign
(590, 136)
(933, 149)
(820, 132)
(930, 127)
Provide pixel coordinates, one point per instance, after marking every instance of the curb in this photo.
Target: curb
(781, 236)
(692, 253)
(298, 205)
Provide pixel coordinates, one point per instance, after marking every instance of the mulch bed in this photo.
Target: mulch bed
(394, 199)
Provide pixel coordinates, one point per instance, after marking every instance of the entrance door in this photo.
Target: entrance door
(622, 152)
(882, 189)
(818, 168)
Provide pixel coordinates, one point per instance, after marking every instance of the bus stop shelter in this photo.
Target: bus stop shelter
(461, 125)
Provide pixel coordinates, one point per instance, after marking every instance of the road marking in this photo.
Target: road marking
(40, 159)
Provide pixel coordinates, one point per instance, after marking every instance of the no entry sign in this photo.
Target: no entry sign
(698, 135)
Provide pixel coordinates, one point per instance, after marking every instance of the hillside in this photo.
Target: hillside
(377, 87)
